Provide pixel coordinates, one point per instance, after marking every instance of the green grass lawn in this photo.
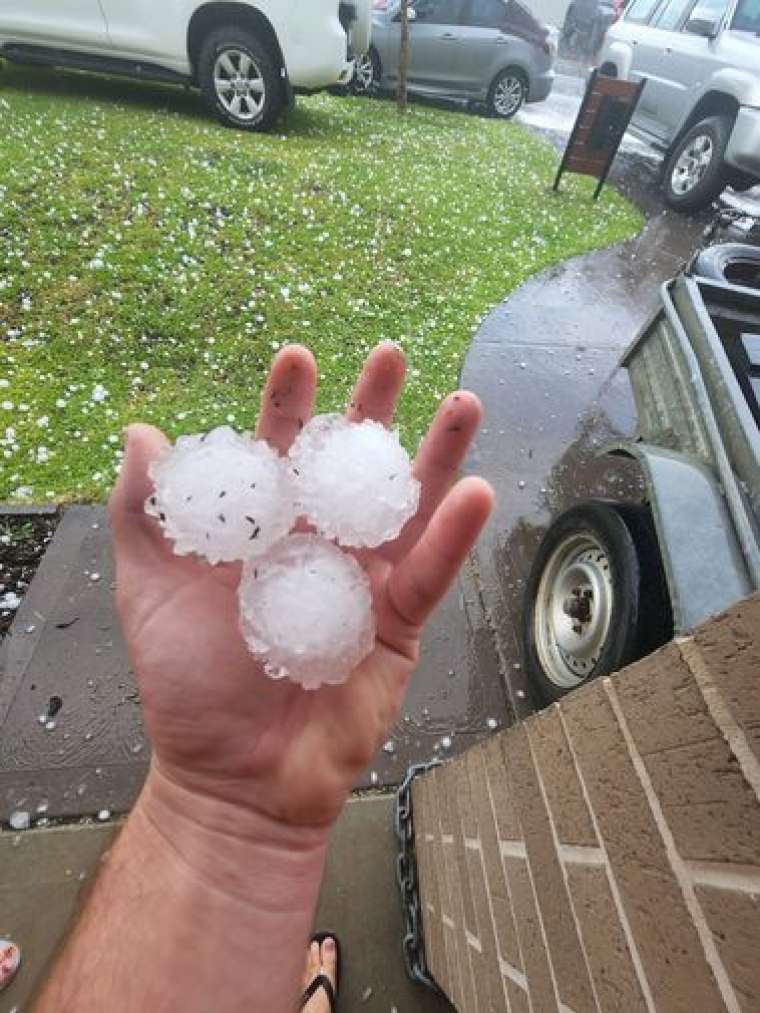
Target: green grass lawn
(151, 261)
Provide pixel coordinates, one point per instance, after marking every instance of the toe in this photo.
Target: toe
(330, 959)
(313, 962)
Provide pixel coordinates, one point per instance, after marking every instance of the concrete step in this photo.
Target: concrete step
(44, 870)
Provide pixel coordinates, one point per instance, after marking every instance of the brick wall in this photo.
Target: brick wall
(605, 854)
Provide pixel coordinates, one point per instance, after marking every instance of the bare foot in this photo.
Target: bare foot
(320, 960)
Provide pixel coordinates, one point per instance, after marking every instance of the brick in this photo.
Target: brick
(465, 987)
(444, 896)
(496, 774)
(731, 650)
(734, 920)
(669, 946)
(563, 789)
(506, 931)
(661, 687)
(450, 784)
(712, 812)
(432, 922)
(454, 990)
(537, 969)
(448, 966)
(464, 803)
(491, 987)
(518, 999)
(615, 980)
(570, 971)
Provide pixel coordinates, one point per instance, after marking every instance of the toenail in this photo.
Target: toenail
(329, 945)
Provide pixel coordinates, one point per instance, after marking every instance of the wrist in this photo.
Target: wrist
(242, 853)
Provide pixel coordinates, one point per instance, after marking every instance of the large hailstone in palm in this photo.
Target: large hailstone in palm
(353, 480)
(224, 496)
(306, 611)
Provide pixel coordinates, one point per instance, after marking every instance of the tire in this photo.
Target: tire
(256, 87)
(367, 72)
(695, 173)
(735, 263)
(602, 559)
(507, 93)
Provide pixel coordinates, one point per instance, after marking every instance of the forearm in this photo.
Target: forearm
(198, 907)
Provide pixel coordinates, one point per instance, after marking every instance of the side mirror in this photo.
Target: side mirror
(704, 27)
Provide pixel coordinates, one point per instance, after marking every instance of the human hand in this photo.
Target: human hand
(221, 730)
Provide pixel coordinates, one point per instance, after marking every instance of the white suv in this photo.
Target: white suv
(247, 58)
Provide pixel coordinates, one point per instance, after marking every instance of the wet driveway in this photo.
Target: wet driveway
(545, 366)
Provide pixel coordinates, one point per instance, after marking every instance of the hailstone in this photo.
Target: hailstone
(306, 611)
(353, 480)
(223, 495)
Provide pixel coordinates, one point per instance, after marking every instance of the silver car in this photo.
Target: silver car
(701, 103)
(486, 51)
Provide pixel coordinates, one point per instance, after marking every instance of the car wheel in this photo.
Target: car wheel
(735, 263)
(596, 599)
(695, 172)
(508, 93)
(366, 73)
(239, 80)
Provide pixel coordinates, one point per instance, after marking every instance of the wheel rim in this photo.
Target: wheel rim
(364, 72)
(239, 84)
(508, 96)
(573, 610)
(692, 164)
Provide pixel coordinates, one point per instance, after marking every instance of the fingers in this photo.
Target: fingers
(438, 461)
(126, 507)
(379, 385)
(422, 578)
(288, 398)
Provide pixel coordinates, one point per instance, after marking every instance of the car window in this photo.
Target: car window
(709, 10)
(747, 16)
(640, 11)
(486, 14)
(439, 12)
(670, 16)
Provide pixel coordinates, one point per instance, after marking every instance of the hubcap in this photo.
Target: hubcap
(508, 96)
(239, 84)
(573, 610)
(364, 72)
(692, 164)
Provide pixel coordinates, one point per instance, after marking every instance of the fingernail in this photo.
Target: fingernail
(329, 945)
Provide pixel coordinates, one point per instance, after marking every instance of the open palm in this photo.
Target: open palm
(220, 728)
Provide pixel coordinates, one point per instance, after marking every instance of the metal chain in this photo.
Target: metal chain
(406, 876)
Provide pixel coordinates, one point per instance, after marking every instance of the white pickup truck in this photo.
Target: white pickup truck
(247, 58)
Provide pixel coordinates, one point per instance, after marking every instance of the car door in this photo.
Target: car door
(691, 60)
(67, 24)
(484, 43)
(145, 30)
(644, 41)
(434, 40)
(674, 61)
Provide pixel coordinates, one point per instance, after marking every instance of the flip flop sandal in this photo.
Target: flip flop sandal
(321, 980)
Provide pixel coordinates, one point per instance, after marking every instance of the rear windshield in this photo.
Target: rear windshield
(747, 16)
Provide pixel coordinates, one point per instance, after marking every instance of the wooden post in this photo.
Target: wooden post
(403, 58)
